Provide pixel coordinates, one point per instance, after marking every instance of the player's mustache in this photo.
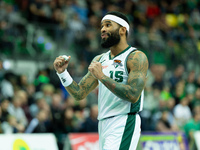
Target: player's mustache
(108, 34)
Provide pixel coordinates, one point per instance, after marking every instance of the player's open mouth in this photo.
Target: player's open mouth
(103, 35)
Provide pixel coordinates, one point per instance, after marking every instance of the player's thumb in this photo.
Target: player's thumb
(67, 62)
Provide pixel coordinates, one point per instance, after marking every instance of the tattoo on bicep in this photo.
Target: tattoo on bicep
(139, 64)
(137, 76)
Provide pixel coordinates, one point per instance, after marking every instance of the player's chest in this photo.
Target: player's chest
(114, 69)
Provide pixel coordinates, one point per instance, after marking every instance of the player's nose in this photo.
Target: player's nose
(103, 30)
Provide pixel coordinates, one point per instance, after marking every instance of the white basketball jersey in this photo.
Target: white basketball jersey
(108, 103)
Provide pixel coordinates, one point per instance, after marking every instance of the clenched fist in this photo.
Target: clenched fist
(60, 64)
(96, 70)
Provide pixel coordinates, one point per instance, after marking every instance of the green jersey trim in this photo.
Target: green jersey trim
(119, 53)
(135, 107)
(128, 133)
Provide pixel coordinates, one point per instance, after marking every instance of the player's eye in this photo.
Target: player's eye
(108, 25)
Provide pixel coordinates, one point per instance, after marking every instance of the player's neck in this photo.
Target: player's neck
(116, 49)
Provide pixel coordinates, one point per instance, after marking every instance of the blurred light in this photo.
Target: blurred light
(48, 46)
(171, 20)
(181, 18)
(198, 46)
(6, 65)
(40, 40)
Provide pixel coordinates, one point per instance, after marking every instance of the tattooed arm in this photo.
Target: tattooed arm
(85, 86)
(78, 90)
(137, 65)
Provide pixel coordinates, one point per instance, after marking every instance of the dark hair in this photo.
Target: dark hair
(119, 14)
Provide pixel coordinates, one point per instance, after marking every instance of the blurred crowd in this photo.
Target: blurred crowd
(167, 31)
(43, 106)
(157, 26)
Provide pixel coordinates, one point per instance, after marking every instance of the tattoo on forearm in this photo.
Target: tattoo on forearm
(86, 85)
(125, 92)
(79, 91)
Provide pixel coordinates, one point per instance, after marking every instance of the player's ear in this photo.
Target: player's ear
(122, 31)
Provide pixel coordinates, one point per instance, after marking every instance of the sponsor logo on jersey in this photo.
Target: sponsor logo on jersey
(117, 63)
(104, 67)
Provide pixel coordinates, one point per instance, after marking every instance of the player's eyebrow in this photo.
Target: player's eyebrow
(106, 22)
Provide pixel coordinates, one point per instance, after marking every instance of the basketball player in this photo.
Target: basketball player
(120, 74)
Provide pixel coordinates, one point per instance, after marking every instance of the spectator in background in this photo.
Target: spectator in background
(198, 82)
(166, 123)
(80, 112)
(182, 112)
(56, 112)
(179, 92)
(76, 30)
(7, 88)
(91, 45)
(158, 72)
(165, 94)
(196, 100)
(68, 123)
(176, 77)
(17, 112)
(2, 71)
(47, 91)
(91, 123)
(22, 82)
(41, 78)
(22, 94)
(69, 102)
(12, 126)
(152, 98)
(35, 11)
(142, 37)
(38, 124)
(96, 8)
(151, 107)
(92, 98)
(52, 77)
(191, 126)
(30, 89)
(6, 45)
(152, 11)
(190, 86)
(170, 104)
(4, 103)
(40, 104)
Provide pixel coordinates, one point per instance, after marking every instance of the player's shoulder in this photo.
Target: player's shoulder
(137, 54)
(137, 57)
(98, 57)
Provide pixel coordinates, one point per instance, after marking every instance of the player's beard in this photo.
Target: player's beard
(113, 39)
